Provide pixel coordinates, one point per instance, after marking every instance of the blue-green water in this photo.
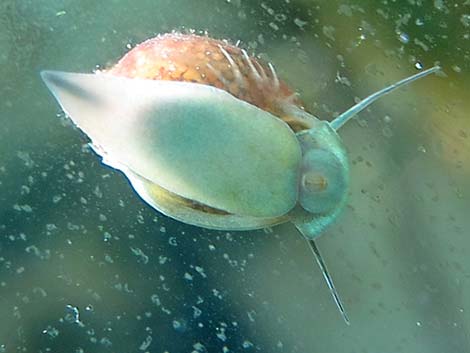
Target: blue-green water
(86, 266)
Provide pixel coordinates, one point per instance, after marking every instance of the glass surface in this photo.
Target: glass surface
(86, 266)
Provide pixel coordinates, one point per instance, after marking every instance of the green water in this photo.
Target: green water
(86, 266)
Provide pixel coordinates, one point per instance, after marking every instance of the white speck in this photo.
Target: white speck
(251, 315)
(299, 23)
(267, 9)
(24, 208)
(72, 315)
(418, 65)
(142, 257)
(221, 335)
(200, 270)
(329, 32)
(176, 324)
(274, 26)
(420, 43)
(106, 236)
(439, 5)
(51, 331)
(404, 38)
(247, 344)
(457, 69)
(25, 157)
(147, 342)
(196, 312)
(345, 10)
(465, 19)
(199, 347)
(387, 132)
(56, 198)
(98, 193)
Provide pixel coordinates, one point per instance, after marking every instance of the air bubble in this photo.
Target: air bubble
(387, 132)
(404, 38)
(422, 149)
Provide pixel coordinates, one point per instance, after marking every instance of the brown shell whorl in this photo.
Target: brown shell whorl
(200, 59)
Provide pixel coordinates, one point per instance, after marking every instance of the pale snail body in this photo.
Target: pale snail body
(212, 137)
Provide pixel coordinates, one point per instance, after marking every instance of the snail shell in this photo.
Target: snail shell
(200, 59)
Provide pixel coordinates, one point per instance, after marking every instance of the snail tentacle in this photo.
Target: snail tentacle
(329, 281)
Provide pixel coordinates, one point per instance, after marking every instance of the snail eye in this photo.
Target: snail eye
(314, 181)
(323, 182)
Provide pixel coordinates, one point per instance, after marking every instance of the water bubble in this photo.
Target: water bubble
(404, 38)
(387, 132)
(299, 23)
(247, 344)
(179, 325)
(199, 347)
(465, 19)
(51, 331)
(72, 314)
(142, 257)
(146, 343)
(457, 68)
(418, 65)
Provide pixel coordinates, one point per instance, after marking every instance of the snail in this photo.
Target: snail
(211, 136)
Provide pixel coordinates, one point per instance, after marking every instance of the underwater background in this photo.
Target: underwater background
(86, 266)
